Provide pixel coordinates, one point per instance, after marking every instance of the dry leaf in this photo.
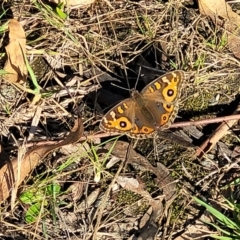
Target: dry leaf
(78, 149)
(221, 13)
(76, 190)
(14, 172)
(220, 8)
(148, 228)
(74, 3)
(129, 183)
(196, 230)
(88, 201)
(164, 179)
(15, 63)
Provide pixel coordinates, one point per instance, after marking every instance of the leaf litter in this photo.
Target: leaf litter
(113, 39)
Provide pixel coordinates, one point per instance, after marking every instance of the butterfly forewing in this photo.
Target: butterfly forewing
(166, 88)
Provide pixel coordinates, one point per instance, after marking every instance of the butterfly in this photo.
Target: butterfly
(147, 112)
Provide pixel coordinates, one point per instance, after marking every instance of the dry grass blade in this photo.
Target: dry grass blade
(9, 172)
(99, 212)
(76, 55)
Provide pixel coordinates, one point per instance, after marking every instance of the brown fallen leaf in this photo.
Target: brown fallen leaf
(196, 229)
(133, 185)
(221, 13)
(220, 8)
(14, 172)
(88, 201)
(15, 64)
(148, 228)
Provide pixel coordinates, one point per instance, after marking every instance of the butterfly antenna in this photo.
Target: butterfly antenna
(124, 69)
(139, 72)
(119, 87)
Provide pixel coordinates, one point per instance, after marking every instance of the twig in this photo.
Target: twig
(205, 121)
(221, 131)
(174, 125)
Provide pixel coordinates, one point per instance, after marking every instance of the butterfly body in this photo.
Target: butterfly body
(148, 111)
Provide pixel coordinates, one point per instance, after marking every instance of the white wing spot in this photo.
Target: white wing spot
(164, 79)
(113, 115)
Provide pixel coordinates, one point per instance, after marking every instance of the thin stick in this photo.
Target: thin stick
(174, 125)
(205, 121)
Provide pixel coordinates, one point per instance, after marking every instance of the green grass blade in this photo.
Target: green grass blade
(222, 218)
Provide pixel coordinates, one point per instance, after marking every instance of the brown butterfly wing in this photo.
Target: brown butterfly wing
(120, 118)
(127, 118)
(161, 95)
(166, 88)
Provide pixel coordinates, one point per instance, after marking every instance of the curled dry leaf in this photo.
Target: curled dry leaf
(221, 13)
(14, 172)
(133, 185)
(15, 64)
